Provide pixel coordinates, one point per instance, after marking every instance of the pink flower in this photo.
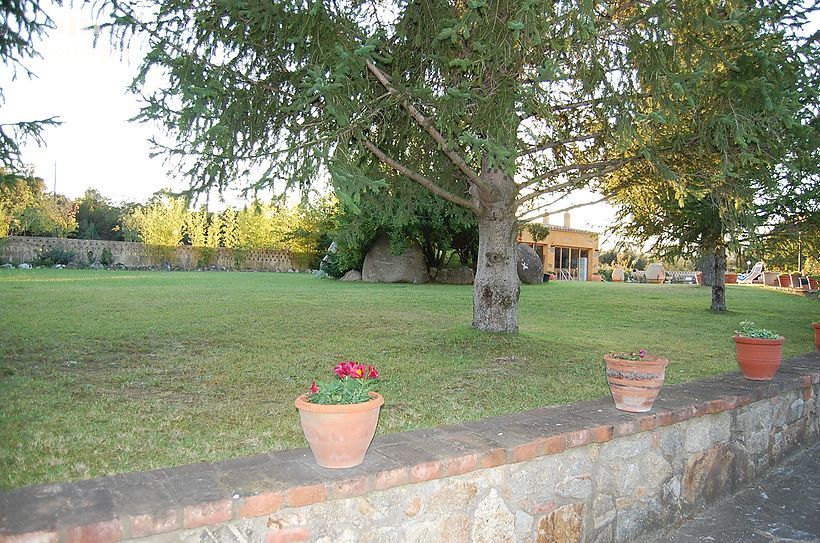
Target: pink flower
(350, 369)
(642, 353)
(357, 371)
(372, 372)
(313, 388)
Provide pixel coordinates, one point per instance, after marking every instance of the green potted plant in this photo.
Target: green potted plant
(339, 417)
(759, 351)
(634, 379)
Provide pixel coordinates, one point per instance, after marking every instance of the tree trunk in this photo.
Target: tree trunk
(496, 288)
(718, 286)
(707, 267)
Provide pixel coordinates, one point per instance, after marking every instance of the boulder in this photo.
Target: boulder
(7, 266)
(382, 266)
(454, 276)
(530, 267)
(618, 275)
(97, 266)
(24, 266)
(352, 275)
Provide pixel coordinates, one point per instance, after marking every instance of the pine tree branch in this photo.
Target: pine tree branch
(556, 143)
(576, 105)
(555, 172)
(418, 178)
(528, 218)
(427, 124)
(575, 182)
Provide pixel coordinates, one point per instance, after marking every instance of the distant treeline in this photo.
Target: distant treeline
(27, 209)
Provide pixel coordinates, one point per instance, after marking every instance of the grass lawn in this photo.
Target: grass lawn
(106, 372)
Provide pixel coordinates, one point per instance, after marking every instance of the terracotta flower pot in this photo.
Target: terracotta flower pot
(655, 273)
(758, 359)
(812, 283)
(730, 278)
(635, 384)
(816, 326)
(339, 435)
(784, 279)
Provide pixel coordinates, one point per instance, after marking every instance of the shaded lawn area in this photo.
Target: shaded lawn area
(106, 372)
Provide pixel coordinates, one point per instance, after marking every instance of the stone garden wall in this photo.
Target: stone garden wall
(20, 249)
(580, 472)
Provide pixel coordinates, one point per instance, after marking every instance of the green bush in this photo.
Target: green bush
(330, 265)
(106, 258)
(205, 256)
(54, 256)
(240, 255)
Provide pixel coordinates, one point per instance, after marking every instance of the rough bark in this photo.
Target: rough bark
(718, 286)
(707, 268)
(496, 289)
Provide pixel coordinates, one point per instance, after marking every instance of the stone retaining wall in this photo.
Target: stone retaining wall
(20, 249)
(579, 472)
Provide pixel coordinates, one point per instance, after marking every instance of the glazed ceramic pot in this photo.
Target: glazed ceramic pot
(758, 359)
(816, 326)
(635, 384)
(339, 435)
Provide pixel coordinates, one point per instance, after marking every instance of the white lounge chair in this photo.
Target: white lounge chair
(749, 278)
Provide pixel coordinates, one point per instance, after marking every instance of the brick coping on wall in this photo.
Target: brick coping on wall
(165, 500)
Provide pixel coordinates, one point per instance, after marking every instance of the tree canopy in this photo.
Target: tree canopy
(501, 107)
(733, 148)
(24, 22)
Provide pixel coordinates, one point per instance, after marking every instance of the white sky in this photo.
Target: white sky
(96, 146)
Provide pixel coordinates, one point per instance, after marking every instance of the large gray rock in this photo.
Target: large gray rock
(352, 275)
(530, 267)
(382, 266)
(454, 276)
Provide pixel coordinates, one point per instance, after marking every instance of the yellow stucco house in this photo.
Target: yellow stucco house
(568, 253)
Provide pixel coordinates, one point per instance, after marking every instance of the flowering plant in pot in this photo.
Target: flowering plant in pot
(635, 379)
(339, 417)
(759, 351)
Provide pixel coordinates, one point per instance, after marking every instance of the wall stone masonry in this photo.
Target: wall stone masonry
(583, 472)
(20, 249)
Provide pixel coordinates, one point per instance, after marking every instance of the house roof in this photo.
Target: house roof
(565, 229)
